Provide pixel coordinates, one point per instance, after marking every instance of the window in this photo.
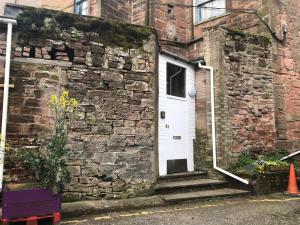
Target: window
(206, 9)
(175, 80)
(81, 7)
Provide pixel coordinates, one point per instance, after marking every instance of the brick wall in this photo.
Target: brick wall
(238, 19)
(171, 23)
(95, 7)
(139, 12)
(113, 135)
(67, 5)
(201, 153)
(116, 9)
(36, 3)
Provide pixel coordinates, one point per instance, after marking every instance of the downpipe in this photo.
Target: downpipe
(10, 23)
(290, 155)
(213, 126)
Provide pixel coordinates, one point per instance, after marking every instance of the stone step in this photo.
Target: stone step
(189, 185)
(207, 194)
(182, 176)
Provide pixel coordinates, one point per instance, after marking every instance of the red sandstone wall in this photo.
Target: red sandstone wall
(244, 101)
(139, 12)
(66, 5)
(286, 63)
(34, 3)
(175, 26)
(95, 7)
(116, 9)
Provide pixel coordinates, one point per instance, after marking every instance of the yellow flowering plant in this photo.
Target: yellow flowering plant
(62, 106)
(49, 166)
(7, 145)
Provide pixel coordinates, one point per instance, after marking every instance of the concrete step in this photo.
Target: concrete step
(207, 183)
(182, 176)
(207, 194)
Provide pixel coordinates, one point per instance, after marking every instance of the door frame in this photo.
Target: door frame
(190, 116)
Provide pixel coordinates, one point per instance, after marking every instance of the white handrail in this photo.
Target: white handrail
(10, 23)
(213, 126)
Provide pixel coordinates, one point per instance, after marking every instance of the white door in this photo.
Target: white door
(176, 116)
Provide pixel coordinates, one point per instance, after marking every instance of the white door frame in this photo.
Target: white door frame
(190, 115)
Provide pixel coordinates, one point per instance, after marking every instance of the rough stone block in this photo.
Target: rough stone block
(137, 86)
(112, 76)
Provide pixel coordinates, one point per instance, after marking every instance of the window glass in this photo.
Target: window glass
(175, 80)
(81, 7)
(209, 8)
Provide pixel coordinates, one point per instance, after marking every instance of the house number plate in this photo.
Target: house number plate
(177, 137)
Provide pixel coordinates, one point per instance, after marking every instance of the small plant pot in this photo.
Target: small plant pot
(277, 168)
(29, 202)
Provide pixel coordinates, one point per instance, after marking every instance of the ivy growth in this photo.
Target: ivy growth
(48, 165)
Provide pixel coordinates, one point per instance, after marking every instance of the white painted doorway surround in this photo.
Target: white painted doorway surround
(176, 113)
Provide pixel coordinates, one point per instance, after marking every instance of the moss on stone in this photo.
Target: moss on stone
(46, 22)
(262, 39)
(33, 20)
(65, 20)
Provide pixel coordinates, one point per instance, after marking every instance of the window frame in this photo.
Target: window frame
(210, 18)
(80, 2)
(184, 71)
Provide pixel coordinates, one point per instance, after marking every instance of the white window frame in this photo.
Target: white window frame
(195, 11)
(81, 11)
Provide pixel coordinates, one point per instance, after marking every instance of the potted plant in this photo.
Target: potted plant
(48, 166)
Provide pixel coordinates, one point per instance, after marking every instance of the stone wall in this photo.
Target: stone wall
(244, 101)
(112, 139)
(286, 65)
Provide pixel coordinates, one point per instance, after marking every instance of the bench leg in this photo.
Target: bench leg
(56, 218)
(5, 222)
(32, 221)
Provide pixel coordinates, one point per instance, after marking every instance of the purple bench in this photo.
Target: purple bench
(28, 203)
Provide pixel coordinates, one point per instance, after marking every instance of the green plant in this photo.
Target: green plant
(243, 160)
(48, 164)
(260, 165)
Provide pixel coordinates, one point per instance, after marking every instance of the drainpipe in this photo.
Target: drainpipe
(10, 23)
(147, 14)
(213, 126)
(290, 155)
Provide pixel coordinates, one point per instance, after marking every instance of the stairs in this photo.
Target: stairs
(194, 186)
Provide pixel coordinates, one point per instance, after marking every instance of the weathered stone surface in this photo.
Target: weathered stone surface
(112, 76)
(244, 100)
(74, 170)
(137, 86)
(109, 156)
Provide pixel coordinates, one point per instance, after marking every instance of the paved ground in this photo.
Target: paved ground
(274, 210)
